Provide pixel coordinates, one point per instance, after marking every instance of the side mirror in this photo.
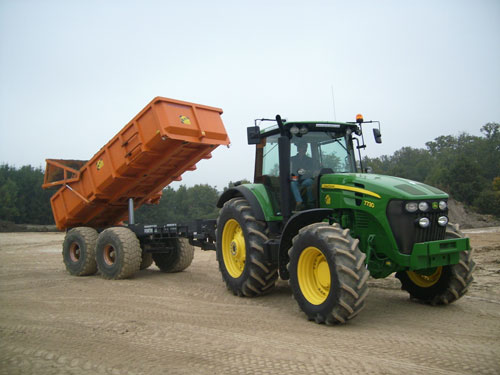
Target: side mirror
(377, 135)
(253, 135)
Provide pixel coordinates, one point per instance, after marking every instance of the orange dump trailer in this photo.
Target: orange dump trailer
(167, 138)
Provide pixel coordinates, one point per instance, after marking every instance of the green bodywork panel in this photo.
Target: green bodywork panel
(265, 201)
(359, 202)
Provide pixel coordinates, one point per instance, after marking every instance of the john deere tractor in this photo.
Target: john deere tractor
(315, 217)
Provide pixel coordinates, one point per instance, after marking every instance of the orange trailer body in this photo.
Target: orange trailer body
(167, 138)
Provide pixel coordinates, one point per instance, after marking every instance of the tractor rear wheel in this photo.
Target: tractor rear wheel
(177, 259)
(240, 250)
(441, 285)
(118, 253)
(79, 251)
(327, 273)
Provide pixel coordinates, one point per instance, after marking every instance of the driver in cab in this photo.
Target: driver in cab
(302, 168)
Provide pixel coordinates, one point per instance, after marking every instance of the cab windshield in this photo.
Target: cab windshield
(327, 150)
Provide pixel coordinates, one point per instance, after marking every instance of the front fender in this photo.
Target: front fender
(292, 227)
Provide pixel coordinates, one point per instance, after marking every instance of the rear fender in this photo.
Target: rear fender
(245, 192)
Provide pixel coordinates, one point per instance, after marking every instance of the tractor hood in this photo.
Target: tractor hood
(381, 186)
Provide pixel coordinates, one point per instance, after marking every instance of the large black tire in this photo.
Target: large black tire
(328, 276)
(79, 251)
(146, 260)
(443, 285)
(177, 259)
(118, 253)
(240, 250)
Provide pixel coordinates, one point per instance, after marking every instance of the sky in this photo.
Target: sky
(73, 73)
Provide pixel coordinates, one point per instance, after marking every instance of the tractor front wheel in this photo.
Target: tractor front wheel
(440, 285)
(327, 273)
(240, 250)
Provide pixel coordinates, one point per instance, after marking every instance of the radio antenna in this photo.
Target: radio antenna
(333, 103)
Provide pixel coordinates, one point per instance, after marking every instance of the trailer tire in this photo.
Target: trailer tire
(177, 260)
(118, 253)
(146, 260)
(445, 284)
(328, 276)
(79, 251)
(240, 250)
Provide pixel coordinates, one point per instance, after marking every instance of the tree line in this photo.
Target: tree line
(22, 199)
(465, 166)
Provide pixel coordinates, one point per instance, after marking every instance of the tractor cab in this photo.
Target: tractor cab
(291, 157)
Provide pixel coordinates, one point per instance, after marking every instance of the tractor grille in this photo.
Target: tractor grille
(405, 226)
(434, 232)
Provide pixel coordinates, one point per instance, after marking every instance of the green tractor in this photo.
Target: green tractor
(315, 217)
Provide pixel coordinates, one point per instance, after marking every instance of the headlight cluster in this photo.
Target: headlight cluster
(423, 207)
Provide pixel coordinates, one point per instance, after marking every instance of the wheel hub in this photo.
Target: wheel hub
(233, 248)
(109, 254)
(74, 252)
(425, 280)
(323, 274)
(313, 274)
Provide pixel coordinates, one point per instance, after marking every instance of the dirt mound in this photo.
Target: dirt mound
(458, 214)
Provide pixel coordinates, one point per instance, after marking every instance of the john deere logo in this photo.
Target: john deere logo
(185, 120)
(328, 200)
(100, 164)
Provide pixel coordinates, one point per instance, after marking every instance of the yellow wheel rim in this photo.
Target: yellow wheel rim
(425, 281)
(313, 274)
(233, 248)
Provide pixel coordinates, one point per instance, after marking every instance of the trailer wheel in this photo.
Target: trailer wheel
(327, 273)
(146, 260)
(441, 285)
(79, 251)
(176, 260)
(118, 253)
(240, 250)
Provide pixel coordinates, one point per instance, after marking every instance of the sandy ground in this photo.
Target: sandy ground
(188, 323)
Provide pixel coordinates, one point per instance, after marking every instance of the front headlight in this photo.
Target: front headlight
(423, 206)
(442, 220)
(424, 222)
(443, 205)
(411, 207)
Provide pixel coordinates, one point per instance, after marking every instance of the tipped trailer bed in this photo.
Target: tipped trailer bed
(167, 138)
